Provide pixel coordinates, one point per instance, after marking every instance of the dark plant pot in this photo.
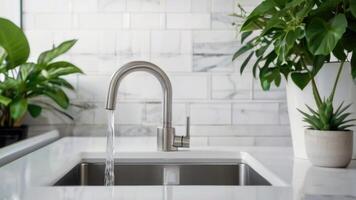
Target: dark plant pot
(10, 135)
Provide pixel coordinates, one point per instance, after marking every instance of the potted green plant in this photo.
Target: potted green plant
(296, 39)
(22, 82)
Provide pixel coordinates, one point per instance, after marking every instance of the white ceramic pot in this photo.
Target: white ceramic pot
(346, 91)
(329, 148)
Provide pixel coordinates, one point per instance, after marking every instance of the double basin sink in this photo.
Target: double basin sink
(92, 174)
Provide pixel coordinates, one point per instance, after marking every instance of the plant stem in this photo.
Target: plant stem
(337, 80)
(316, 93)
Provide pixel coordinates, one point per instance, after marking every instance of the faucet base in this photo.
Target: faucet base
(165, 139)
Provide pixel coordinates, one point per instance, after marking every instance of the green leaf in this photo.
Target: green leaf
(34, 110)
(349, 39)
(325, 8)
(339, 51)
(245, 35)
(25, 70)
(280, 3)
(300, 79)
(18, 108)
(255, 66)
(58, 96)
(3, 55)
(277, 79)
(62, 68)
(244, 64)
(341, 109)
(322, 36)
(62, 83)
(353, 7)
(48, 56)
(14, 41)
(242, 50)
(284, 43)
(318, 62)
(353, 64)
(266, 85)
(262, 8)
(5, 100)
(9, 83)
(265, 78)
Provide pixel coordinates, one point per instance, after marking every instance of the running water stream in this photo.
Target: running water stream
(109, 163)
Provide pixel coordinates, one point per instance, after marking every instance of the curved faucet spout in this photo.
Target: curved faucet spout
(166, 138)
(152, 69)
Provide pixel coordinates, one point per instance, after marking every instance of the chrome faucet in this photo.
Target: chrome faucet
(167, 140)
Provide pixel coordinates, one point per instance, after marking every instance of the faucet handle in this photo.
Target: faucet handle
(187, 131)
(183, 141)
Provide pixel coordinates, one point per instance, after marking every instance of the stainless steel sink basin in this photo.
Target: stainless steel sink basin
(161, 174)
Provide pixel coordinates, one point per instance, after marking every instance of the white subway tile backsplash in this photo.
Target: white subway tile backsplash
(101, 21)
(198, 141)
(146, 5)
(133, 42)
(213, 50)
(252, 130)
(111, 5)
(125, 113)
(203, 6)
(189, 86)
(92, 87)
(125, 58)
(147, 21)
(165, 42)
(188, 21)
(212, 62)
(84, 6)
(88, 63)
(178, 6)
(129, 113)
(273, 141)
(192, 40)
(256, 113)
(140, 85)
(53, 21)
(39, 41)
(173, 62)
(275, 93)
(215, 42)
(87, 41)
(51, 6)
(231, 86)
(154, 114)
(171, 42)
(107, 42)
(223, 5)
(210, 114)
(231, 141)
(283, 113)
(222, 21)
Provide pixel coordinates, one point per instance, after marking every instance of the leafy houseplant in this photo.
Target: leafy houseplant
(22, 82)
(294, 39)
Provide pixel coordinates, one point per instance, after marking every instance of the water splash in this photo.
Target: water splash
(109, 163)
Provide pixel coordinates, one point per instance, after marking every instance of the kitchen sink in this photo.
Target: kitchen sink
(92, 174)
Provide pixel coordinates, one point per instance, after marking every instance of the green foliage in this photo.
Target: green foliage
(14, 42)
(325, 118)
(291, 35)
(22, 81)
(294, 38)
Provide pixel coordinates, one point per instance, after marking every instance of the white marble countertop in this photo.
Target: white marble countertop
(31, 176)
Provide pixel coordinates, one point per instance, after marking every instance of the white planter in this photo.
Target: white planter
(346, 91)
(329, 148)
